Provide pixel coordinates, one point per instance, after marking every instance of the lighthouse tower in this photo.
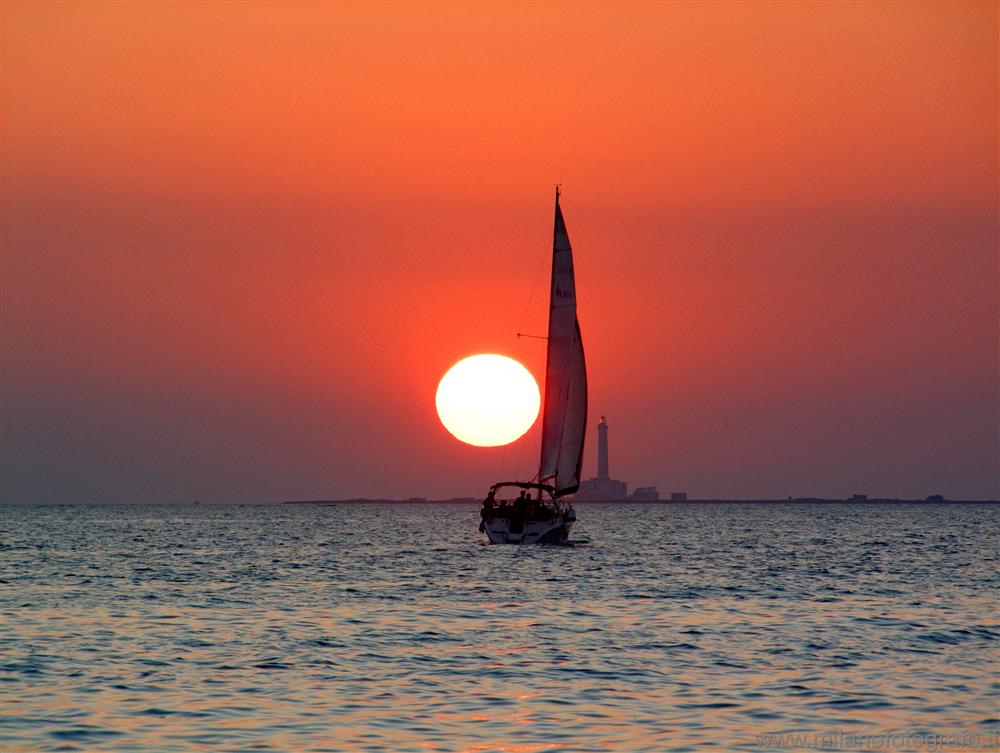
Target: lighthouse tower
(602, 450)
(603, 488)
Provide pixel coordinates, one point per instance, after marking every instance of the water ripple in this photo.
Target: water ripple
(675, 628)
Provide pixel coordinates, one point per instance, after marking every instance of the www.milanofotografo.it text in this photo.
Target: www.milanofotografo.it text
(889, 741)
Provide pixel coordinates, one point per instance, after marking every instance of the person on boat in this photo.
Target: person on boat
(521, 507)
(532, 511)
(484, 513)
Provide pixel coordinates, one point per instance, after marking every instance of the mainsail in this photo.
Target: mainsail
(564, 421)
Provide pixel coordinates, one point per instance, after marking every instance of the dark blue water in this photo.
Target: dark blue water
(393, 628)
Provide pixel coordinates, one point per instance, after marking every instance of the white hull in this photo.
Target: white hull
(554, 531)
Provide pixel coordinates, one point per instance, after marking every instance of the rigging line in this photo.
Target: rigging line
(531, 297)
(520, 456)
(503, 455)
(524, 316)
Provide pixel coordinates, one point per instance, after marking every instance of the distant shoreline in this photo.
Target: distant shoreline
(474, 501)
(788, 500)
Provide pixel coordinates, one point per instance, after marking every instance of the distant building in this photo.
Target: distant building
(678, 496)
(646, 494)
(603, 488)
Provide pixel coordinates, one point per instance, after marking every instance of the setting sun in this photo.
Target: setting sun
(488, 400)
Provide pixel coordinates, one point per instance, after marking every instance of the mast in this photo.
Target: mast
(541, 456)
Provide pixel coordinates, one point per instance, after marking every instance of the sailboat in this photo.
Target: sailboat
(541, 514)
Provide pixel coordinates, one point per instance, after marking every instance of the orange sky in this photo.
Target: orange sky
(242, 242)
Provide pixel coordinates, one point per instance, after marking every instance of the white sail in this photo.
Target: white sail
(564, 421)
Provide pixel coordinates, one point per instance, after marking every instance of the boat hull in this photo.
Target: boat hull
(507, 531)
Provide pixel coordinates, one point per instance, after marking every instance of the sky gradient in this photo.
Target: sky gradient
(243, 242)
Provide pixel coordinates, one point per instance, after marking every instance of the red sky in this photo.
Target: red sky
(242, 243)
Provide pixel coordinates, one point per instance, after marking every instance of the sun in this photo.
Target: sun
(488, 400)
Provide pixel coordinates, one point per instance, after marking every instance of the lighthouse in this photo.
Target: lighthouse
(603, 488)
(602, 450)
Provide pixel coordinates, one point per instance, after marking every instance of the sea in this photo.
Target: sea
(395, 627)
